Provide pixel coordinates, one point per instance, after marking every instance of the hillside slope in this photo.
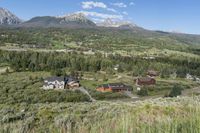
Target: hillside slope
(158, 115)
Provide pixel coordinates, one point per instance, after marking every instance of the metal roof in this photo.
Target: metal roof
(51, 79)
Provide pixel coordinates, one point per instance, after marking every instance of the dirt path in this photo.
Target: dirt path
(84, 91)
(129, 94)
(3, 69)
(192, 91)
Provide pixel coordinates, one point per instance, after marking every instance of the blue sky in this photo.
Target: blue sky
(167, 15)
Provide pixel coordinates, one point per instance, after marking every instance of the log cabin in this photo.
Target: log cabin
(145, 81)
(114, 87)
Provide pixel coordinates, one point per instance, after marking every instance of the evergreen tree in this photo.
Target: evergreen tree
(175, 91)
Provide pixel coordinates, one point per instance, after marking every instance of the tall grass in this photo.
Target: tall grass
(151, 116)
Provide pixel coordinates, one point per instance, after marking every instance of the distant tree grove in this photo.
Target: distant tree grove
(39, 61)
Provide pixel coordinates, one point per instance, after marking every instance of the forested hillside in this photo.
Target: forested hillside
(100, 39)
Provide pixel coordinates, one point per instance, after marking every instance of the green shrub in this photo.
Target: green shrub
(106, 95)
(176, 91)
(143, 92)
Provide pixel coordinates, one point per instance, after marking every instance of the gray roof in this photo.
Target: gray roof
(60, 79)
(116, 86)
(51, 79)
(70, 79)
(47, 84)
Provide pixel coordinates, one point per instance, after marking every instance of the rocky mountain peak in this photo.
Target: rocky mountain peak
(8, 18)
(75, 17)
(112, 23)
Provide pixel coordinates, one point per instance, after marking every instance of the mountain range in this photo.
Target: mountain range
(70, 20)
(78, 20)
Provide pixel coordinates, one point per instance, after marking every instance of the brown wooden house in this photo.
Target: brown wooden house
(145, 81)
(72, 82)
(114, 87)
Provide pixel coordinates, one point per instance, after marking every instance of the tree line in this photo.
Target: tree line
(39, 61)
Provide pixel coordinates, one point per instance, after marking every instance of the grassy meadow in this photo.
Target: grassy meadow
(150, 116)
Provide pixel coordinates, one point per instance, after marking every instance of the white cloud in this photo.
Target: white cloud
(125, 13)
(92, 4)
(97, 20)
(131, 3)
(119, 4)
(101, 15)
(112, 10)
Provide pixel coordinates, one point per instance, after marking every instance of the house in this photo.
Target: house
(114, 87)
(189, 77)
(72, 82)
(54, 83)
(58, 83)
(152, 73)
(145, 81)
